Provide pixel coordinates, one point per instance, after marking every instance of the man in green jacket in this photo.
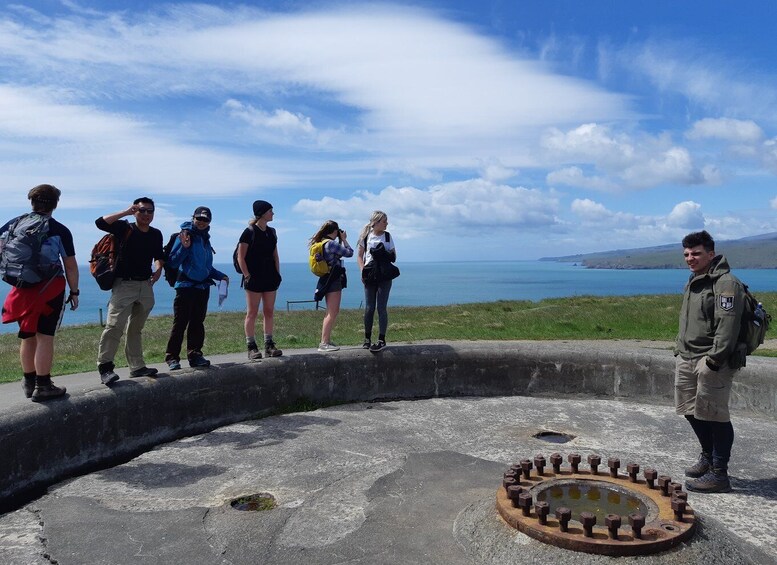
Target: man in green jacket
(707, 359)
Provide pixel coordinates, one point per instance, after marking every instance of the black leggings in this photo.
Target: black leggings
(189, 309)
(376, 295)
(716, 438)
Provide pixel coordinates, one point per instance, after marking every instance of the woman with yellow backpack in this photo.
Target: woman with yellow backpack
(325, 247)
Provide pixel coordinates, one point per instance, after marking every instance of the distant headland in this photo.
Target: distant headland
(754, 252)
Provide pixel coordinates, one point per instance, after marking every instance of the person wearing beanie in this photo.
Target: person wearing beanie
(257, 257)
(192, 255)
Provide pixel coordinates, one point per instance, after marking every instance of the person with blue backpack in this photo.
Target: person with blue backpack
(191, 259)
(37, 257)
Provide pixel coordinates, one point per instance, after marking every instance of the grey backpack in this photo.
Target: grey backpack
(21, 263)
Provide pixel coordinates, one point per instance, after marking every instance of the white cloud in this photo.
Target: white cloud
(574, 176)
(281, 120)
(686, 215)
(727, 129)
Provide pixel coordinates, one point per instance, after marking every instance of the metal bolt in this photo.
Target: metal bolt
(650, 477)
(681, 494)
(637, 522)
(525, 502)
(526, 468)
(588, 519)
(515, 468)
(675, 487)
(513, 492)
(678, 506)
(507, 482)
(564, 515)
(613, 522)
(539, 463)
(633, 470)
(663, 484)
(574, 460)
(542, 509)
(614, 464)
(556, 460)
(594, 461)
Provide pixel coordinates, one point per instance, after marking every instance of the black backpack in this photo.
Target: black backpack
(253, 236)
(20, 258)
(170, 273)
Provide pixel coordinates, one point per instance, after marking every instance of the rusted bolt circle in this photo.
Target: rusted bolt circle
(542, 509)
(594, 461)
(564, 515)
(613, 522)
(539, 463)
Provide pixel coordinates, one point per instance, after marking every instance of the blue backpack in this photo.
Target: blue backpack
(21, 262)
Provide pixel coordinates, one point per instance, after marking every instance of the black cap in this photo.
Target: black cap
(260, 207)
(202, 212)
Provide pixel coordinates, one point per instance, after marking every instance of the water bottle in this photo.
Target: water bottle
(758, 315)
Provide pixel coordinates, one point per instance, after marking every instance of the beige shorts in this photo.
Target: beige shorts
(700, 392)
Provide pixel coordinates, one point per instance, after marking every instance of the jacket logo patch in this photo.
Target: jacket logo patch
(726, 302)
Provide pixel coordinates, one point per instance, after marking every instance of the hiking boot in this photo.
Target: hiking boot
(270, 350)
(198, 361)
(328, 347)
(45, 389)
(28, 386)
(700, 468)
(714, 480)
(173, 364)
(375, 347)
(143, 372)
(254, 354)
(366, 344)
(108, 376)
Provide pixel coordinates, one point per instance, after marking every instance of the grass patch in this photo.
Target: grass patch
(647, 317)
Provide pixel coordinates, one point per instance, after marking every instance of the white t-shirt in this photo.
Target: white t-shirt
(372, 242)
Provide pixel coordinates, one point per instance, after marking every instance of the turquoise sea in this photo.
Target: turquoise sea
(432, 284)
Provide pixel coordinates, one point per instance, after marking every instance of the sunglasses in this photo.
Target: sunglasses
(202, 219)
(145, 210)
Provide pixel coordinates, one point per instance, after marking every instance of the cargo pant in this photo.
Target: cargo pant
(129, 307)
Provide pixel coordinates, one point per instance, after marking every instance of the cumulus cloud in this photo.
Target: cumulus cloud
(574, 176)
(686, 215)
(726, 129)
(448, 206)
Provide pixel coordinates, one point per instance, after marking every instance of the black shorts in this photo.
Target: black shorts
(47, 325)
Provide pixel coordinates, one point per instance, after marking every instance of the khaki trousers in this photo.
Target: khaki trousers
(129, 307)
(701, 392)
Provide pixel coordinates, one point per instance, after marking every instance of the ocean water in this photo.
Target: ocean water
(431, 284)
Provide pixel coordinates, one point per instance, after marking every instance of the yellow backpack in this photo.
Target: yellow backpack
(318, 266)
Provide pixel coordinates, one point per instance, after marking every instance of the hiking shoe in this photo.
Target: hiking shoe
(375, 347)
(173, 364)
(270, 350)
(108, 377)
(47, 392)
(28, 386)
(714, 480)
(254, 354)
(700, 468)
(366, 344)
(198, 361)
(327, 347)
(143, 372)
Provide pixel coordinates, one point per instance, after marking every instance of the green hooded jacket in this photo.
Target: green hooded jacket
(711, 314)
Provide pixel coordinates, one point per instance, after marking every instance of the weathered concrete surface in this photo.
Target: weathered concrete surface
(355, 483)
(381, 483)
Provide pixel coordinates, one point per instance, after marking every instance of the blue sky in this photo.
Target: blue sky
(485, 129)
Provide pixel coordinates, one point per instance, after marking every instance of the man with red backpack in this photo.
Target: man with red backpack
(132, 294)
(31, 247)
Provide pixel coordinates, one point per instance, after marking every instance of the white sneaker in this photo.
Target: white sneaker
(326, 347)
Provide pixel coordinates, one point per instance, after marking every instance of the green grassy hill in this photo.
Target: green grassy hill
(757, 252)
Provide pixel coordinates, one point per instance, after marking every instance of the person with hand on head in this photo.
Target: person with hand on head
(132, 294)
(375, 246)
(37, 300)
(330, 286)
(257, 256)
(192, 255)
